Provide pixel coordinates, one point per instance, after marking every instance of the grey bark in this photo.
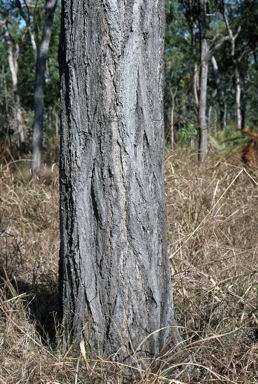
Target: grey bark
(26, 18)
(203, 147)
(238, 98)
(13, 65)
(196, 82)
(114, 272)
(244, 60)
(220, 93)
(237, 74)
(39, 88)
(172, 128)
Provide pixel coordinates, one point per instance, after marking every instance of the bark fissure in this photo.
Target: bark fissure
(112, 159)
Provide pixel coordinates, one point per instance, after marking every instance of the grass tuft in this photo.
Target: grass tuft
(212, 216)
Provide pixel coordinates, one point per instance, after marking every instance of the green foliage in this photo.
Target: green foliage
(186, 134)
(26, 69)
(182, 62)
(27, 65)
(229, 140)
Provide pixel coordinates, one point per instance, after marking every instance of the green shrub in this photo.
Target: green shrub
(186, 134)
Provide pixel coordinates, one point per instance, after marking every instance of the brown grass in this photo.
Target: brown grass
(212, 230)
(212, 215)
(250, 154)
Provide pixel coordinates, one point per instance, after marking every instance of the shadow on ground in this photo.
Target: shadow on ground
(40, 301)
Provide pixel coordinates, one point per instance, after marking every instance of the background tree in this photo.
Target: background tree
(203, 147)
(114, 272)
(39, 87)
(220, 93)
(25, 22)
(229, 92)
(178, 104)
(13, 50)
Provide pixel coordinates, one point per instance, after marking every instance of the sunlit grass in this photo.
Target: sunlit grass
(212, 215)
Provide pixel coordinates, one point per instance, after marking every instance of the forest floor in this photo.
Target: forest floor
(212, 215)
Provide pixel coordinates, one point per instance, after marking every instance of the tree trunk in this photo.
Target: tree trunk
(203, 147)
(238, 97)
(244, 60)
(39, 88)
(13, 65)
(237, 75)
(172, 128)
(220, 92)
(26, 18)
(196, 80)
(114, 272)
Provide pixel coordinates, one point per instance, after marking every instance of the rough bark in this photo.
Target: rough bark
(39, 88)
(114, 271)
(203, 147)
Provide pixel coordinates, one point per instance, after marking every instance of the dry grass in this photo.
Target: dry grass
(212, 231)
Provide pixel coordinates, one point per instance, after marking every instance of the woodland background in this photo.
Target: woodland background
(230, 90)
(211, 207)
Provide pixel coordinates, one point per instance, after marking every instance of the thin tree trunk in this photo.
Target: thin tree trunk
(4, 86)
(196, 82)
(210, 110)
(13, 65)
(57, 123)
(203, 147)
(237, 75)
(114, 271)
(26, 18)
(220, 92)
(244, 59)
(172, 130)
(238, 98)
(39, 88)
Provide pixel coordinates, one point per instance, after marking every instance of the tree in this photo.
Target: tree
(27, 18)
(13, 54)
(178, 71)
(220, 93)
(115, 280)
(237, 74)
(198, 15)
(39, 88)
(23, 23)
(203, 149)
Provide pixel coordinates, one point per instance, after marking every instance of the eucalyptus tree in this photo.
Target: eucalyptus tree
(241, 22)
(196, 15)
(233, 38)
(178, 69)
(50, 6)
(13, 51)
(27, 49)
(27, 64)
(203, 147)
(219, 88)
(115, 284)
(202, 17)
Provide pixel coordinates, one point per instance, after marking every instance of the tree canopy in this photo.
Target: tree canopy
(232, 83)
(231, 33)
